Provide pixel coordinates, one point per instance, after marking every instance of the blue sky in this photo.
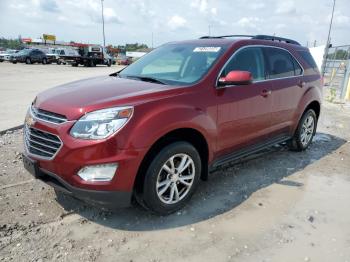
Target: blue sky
(134, 20)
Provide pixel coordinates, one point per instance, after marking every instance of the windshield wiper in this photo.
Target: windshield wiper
(146, 79)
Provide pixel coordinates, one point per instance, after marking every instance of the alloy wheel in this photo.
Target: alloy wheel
(307, 130)
(175, 178)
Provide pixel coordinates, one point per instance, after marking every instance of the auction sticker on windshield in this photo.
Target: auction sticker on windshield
(213, 49)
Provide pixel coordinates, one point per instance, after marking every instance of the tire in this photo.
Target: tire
(58, 62)
(28, 61)
(109, 63)
(305, 131)
(163, 199)
(44, 61)
(92, 63)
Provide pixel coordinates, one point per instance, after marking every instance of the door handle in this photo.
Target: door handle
(266, 93)
(301, 84)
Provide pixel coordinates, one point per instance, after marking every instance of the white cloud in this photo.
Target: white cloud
(110, 16)
(286, 7)
(340, 20)
(80, 20)
(176, 22)
(257, 5)
(249, 22)
(280, 26)
(200, 5)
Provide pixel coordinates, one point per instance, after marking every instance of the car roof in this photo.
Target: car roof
(229, 42)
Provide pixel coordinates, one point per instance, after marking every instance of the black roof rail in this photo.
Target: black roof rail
(276, 38)
(225, 36)
(259, 37)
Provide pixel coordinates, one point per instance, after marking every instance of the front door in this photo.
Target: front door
(244, 110)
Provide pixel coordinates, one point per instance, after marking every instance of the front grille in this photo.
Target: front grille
(48, 116)
(40, 143)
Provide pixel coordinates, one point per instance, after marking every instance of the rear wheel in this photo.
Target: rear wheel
(171, 178)
(28, 60)
(44, 61)
(305, 131)
(92, 63)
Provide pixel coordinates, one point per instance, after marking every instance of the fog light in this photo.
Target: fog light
(104, 172)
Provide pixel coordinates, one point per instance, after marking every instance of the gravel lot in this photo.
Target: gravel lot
(277, 206)
(19, 84)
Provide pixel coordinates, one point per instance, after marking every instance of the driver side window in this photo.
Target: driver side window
(249, 59)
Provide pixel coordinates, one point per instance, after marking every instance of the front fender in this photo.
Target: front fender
(153, 120)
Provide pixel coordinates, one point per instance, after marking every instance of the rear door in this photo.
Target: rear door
(287, 86)
(244, 110)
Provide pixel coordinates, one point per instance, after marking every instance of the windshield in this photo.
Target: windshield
(177, 64)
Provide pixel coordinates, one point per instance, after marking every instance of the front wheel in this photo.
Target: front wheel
(305, 131)
(44, 61)
(28, 61)
(171, 178)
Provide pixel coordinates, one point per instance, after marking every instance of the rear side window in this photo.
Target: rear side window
(308, 59)
(281, 64)
(248, 59)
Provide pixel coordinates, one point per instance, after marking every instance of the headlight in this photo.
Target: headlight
(102, 123)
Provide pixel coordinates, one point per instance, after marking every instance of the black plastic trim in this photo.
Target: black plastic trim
(238, 155)
(109, 199)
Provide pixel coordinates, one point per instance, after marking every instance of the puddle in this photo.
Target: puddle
(321, 138)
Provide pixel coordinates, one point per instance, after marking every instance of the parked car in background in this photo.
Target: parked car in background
(123, 59)
(5, 56)
(67, 55)
(30, 56)
(53, 56)
(153, 130)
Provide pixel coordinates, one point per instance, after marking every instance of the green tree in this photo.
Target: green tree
(10, 43)
(340, 54)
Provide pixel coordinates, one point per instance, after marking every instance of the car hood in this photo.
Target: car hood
(77, 98)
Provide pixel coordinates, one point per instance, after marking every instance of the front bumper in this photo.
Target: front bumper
(109, 199)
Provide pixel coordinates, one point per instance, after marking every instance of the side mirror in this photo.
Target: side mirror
(236, 78)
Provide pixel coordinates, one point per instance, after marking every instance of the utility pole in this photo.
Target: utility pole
(103, 26)
(328, 41)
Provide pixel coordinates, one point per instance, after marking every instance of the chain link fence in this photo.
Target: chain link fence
(336, 71)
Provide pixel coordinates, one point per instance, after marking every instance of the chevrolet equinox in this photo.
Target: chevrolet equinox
(151, 131)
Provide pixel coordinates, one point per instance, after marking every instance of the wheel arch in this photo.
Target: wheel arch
(190, 135)
(316, 106)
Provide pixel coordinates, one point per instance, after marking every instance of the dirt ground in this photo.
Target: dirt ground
(277, 206)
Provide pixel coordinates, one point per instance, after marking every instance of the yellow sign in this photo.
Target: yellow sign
(49, 37)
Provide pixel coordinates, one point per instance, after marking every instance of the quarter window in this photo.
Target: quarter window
(248, 59)
(281, 64)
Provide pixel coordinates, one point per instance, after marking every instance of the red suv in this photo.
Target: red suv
(153, 130)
